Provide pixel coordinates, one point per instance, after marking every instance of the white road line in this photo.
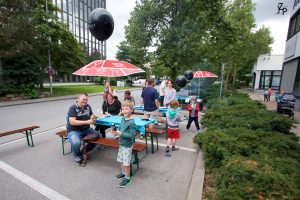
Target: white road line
(24, 138)
(37, 186)
(164, 145)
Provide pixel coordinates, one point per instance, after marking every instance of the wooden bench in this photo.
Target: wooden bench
(27, 131)
(137, 147)
(64, 139)
(154, 132)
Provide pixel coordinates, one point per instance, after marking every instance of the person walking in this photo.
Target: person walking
(193, 109)
(80, 117)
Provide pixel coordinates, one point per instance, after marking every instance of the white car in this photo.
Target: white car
(139, 82)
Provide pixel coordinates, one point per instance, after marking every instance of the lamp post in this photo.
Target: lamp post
(50, 70)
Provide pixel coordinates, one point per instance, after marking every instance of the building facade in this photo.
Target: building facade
(290, 80)
(75, 14)
(267, 72)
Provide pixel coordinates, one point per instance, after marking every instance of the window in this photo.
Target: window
(270, 79)
(294, 26)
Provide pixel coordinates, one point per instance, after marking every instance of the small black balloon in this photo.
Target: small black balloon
(189, 74)
(181, 80)
(101, 24)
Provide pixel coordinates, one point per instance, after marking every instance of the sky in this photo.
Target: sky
(265, 15)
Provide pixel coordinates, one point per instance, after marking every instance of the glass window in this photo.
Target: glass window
(277, 73)
(275, 81)
(297, 28)
(64, 6)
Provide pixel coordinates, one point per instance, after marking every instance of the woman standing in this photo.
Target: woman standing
(170, 93)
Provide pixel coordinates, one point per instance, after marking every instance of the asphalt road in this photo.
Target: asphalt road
(42, 172)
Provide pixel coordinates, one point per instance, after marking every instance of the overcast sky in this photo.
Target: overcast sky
(265, 15)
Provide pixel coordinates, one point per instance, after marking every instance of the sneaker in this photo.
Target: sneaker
(142, 137)
(125, 182)
(78, 159)
(101, 147)
(121, 175)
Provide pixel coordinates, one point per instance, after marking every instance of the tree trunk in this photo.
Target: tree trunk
(234, 75)
(1, 72)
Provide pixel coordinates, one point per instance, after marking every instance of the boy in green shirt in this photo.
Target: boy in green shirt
(126, 133)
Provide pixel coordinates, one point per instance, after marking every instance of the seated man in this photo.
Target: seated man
(80, 116)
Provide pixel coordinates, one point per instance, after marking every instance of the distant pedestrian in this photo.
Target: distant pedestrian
(173, 119)
(107, 89)
(193, 109)
(128, 97)
(162, 91)
(269, 93)
(265, 95)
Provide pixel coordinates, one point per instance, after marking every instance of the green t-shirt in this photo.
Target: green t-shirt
(128, 131)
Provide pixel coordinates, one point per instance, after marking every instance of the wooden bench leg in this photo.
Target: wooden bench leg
(136, 162)
(146, 135)
(63, 142)
(152, 146)
(29, 134)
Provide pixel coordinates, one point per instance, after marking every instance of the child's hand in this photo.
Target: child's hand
(116, 133)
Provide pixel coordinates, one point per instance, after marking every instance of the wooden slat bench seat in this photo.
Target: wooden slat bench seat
(64, 139)
(154, 132)
(107, 142)
(27, 131)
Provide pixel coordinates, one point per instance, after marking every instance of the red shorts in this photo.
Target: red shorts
(173, 133)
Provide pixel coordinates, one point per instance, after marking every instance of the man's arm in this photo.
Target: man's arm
(74, 122)
(157, 103)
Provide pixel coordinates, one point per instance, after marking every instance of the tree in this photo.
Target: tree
(26, 29)
(187, 33)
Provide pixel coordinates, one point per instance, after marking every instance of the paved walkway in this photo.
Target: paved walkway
(271, 105)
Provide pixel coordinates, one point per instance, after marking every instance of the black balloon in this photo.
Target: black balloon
(189, 74)
(101, 24)
(181, 80)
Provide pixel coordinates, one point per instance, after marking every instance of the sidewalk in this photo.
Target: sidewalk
(271, 105)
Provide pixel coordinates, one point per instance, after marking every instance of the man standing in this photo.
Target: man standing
(150, 99)
(80, 117)
(162, 88)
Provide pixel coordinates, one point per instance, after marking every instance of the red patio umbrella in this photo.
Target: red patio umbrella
(109, 68)
(203, 74)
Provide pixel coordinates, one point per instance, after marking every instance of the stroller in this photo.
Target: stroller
(286, 104)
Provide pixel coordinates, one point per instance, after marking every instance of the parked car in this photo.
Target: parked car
(139, 82)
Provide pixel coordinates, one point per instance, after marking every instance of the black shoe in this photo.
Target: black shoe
(174, 148)
(167, 149)
(121, 175)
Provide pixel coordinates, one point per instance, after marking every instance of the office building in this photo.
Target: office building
(290, 80)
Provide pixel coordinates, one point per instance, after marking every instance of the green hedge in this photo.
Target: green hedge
(249, 151)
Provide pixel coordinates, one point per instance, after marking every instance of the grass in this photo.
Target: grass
(63, 90)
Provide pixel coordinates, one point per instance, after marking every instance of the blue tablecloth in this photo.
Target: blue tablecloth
(140, 123)
(161, 109)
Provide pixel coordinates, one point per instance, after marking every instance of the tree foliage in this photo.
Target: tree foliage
(182, 34)
(27, 30)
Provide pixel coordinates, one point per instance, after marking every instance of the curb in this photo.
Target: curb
(47, 99)
(196, 187)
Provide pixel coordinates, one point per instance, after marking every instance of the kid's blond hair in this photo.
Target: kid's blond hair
(174, 103)
(127, 104)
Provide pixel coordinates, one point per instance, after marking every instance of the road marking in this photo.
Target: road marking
(34, 184)
(164, 145)
(24, 138)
